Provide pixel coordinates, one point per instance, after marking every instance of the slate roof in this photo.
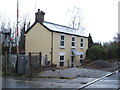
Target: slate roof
(59, 28)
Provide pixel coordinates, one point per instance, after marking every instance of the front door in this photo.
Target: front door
(72, 61)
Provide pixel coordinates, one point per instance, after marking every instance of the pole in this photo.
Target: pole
(10, 46)
(17, 46)
(30, 65)
(40, 56)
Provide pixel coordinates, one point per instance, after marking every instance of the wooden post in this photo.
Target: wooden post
(30, 66)
(5, 63)
(40, 57)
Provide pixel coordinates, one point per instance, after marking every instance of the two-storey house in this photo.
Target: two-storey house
(64, 46)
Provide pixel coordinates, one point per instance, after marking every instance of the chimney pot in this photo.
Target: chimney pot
(39, 16)
(38, 10)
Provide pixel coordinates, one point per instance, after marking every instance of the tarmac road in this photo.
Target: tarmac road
(17, 82)
(21, 82)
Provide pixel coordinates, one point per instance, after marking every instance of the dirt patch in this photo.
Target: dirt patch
(103, 65)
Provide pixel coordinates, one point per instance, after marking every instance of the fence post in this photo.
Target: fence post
(40, 57)
(5, 63)
(30, 66)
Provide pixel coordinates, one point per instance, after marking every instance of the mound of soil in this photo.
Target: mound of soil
(104, 65)
(100, 64)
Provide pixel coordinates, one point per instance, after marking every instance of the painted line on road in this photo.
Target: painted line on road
(96, 80)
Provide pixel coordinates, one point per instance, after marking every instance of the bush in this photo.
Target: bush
(96, 52)
(110, 51)
(118, 52)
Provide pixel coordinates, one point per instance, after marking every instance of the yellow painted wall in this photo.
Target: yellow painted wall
(38, 39)
(67, 49)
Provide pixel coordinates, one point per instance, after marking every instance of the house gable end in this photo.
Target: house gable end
(34, 25)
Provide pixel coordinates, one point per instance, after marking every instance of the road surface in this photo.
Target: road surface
(17, 82)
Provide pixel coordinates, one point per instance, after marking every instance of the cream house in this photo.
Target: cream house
(64, 46)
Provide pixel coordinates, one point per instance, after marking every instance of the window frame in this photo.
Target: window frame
(81, 59)
(62, 40)
(81, 46)
(73, 42)
(61, 61)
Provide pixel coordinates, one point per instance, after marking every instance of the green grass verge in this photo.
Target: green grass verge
(7, 73)
(55, 77)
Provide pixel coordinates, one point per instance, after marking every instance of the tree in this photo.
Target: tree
(22, 39)
(111, 50)
(5, 34)
(90, 41)
(75, 19)
(25, 24)
(106, 51)
(96, 52)
(6, 24)
(117, 41)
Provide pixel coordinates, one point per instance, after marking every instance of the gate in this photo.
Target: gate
(35, 62)
(29, 64)
(23, 64)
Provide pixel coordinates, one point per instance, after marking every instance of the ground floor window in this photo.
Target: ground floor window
(62, 60)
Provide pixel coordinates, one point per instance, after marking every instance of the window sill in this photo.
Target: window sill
(81, 47)
(73, 47)
(62, 47)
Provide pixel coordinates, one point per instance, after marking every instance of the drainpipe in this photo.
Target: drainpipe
(51, 48)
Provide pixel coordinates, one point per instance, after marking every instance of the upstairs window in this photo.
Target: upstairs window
(81, 43)
(62, 38)
(73, 41)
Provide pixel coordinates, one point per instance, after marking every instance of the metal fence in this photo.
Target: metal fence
(24, 64)
(9, 62)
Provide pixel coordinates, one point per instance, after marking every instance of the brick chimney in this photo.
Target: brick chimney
(39, 16)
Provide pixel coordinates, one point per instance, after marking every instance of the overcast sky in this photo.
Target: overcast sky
(100, 16)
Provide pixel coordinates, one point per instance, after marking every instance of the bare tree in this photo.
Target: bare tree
(6, 24)
(24, 24)
(117, 38)
(24, 19)
(75, 18)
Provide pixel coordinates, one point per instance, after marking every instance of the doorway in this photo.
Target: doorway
(72, 61)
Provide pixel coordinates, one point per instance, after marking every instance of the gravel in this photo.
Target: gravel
(73, 72)
(94, 69)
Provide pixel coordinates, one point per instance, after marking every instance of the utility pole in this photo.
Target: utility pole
(0, 52)
(17, 46)
(10, 42)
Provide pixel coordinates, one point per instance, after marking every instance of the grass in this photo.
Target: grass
(54, 77)
(7, 73)
(1, 73)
